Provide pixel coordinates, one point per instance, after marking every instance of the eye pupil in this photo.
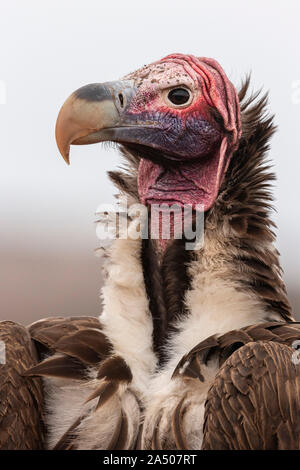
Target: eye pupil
(121, 99)
(179, 96)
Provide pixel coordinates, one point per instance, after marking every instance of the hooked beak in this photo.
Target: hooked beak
(92, 114)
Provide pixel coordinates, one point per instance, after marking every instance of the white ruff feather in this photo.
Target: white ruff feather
(215, 305)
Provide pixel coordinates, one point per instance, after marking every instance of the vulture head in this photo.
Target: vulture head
(179, 118)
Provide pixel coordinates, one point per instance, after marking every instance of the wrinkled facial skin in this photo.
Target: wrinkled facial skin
(188, 136)
(184, 144)
(181, 132)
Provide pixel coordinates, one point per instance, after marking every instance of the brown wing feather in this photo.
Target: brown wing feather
(21, 398)
(48, 332)
(254, 402)
(58, 366)
(223, 346)
(178, 432)
(88, 345)
(78, 346)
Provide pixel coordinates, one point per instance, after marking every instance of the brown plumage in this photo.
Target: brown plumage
(245, 202)
(243, 207)
(21, 398)
(79, 346)
(79, 337)
(166, 280)
(221, 347)
(254, 403)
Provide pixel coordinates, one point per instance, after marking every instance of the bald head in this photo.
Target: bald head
(180, 114)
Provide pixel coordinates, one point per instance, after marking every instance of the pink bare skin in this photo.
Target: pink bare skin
(180, 115)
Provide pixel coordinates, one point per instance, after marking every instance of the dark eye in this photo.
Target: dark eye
(179, 96)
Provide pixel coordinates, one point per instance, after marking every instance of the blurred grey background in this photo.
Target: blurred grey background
(49, 48)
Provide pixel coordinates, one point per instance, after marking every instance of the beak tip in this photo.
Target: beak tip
(66, 159)
(66, 156)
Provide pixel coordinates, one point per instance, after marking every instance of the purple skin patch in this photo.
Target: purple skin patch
(178, 138)
(186, 165)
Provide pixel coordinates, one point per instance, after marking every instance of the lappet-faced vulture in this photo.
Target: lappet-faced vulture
(195, 347)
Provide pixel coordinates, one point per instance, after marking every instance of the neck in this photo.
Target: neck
(238, 237)
(238, 242)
